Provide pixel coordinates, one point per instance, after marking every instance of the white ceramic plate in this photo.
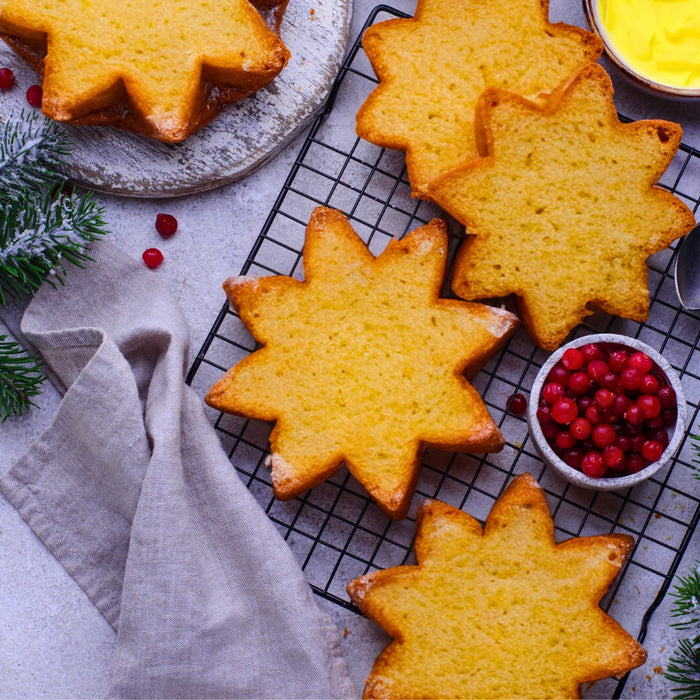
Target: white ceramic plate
(238, 141)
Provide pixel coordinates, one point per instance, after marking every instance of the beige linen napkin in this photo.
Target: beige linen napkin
(130, 490)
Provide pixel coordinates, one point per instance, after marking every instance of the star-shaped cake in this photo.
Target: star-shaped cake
(564, 208)
(501, 611)
(160, 67)
(433, 67)
(362, 362)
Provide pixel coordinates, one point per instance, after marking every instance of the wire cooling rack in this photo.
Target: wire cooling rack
(336, 532)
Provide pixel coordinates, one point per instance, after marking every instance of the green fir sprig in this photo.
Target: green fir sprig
(44, 225)
(20, 379)
(683, 668)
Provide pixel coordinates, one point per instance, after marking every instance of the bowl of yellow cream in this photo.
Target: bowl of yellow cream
(654, 42)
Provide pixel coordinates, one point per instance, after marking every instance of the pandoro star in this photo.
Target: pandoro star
(497, 612)
(362, 362)
(433, 67)
(160, 67)
(563, 210)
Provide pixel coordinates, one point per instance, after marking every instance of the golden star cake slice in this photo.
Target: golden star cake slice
(362, 363)
(160, 68)
(433, 67)
(564, 209)
(499, 611)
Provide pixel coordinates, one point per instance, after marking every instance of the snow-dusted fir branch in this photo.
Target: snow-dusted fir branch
(20, 379)
(41, 231)
(43, 226)
(683, 668)
(32, 152)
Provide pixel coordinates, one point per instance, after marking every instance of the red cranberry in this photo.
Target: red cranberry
(580, 428)
(152, 257)
(669, 416)
(650, 384)
(592, 464)
(583, 403)
(594, 414)
(618, 360)
(35, 95)
(603, 435)
(572, 457)
(667, 396)
(635, 463)
(634, 415)
(620, 405)
(604, 398)
(517, 404)
(650, 405)
(572, 359)
(544, 414)
(596, 369)
(591, 352)
(624, 442)
(559, 374)
(552, 391)
(7, 79)
(579, 383)
(660, 436)
(565, 440)
(613, 457)
(640, 361)
(609, 381)
(637, 442)
(652, 450)
(654, 423)
(550, 430)
(564, 410)
(631, 379)
(166, 225)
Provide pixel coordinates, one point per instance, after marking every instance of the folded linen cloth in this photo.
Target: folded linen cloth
(130, 489)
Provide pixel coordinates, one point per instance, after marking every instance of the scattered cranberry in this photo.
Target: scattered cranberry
(35, 95)
(166, 225)
(7, 79)
(152, 257)
(606, 410)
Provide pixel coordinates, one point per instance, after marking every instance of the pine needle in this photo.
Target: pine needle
(43, 226)
(20, 379)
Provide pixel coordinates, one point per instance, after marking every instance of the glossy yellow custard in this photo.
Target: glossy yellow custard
(658, 39)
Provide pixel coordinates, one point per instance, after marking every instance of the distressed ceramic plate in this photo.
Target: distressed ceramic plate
(237, 142)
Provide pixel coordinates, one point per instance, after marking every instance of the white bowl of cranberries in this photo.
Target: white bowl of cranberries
(606, 411)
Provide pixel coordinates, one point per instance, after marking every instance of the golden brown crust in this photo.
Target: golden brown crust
(563, 209)
(362, 362)
(502, 611)
(140, 111)
(433, 67)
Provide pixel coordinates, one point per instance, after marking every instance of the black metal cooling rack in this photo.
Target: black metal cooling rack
(336, 532)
